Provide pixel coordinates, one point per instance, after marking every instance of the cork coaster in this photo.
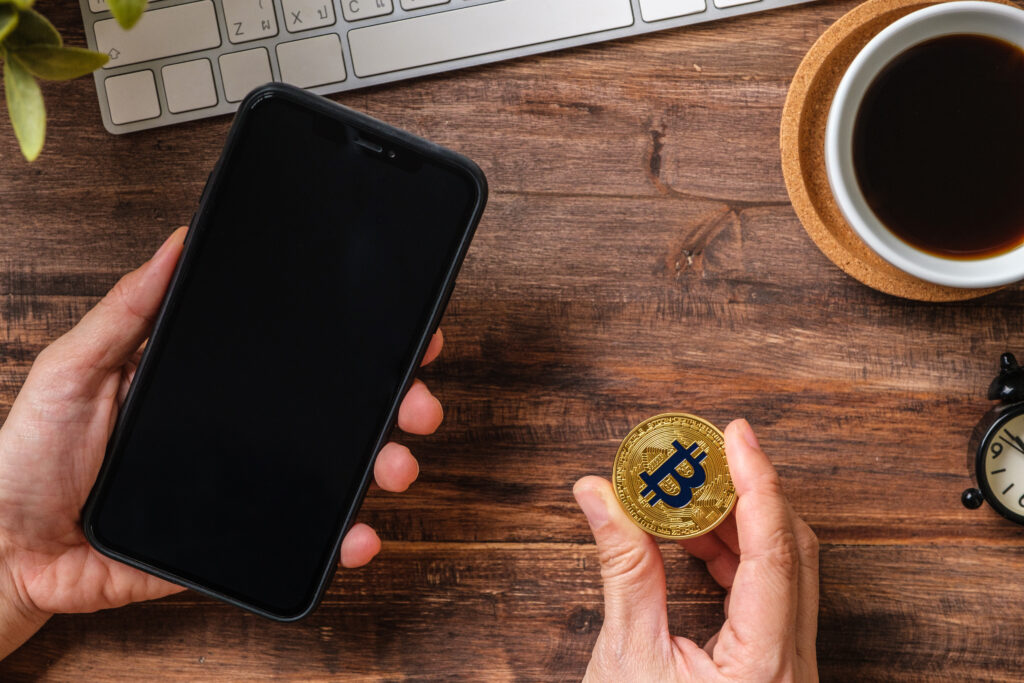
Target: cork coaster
(802, 139)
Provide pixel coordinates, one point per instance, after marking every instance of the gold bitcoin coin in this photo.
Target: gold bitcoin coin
(671, 476)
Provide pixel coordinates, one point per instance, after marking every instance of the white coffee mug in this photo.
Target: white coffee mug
(969, 17)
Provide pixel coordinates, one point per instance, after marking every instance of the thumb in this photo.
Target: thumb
(765, 591)
(631, 566)
(109, 334)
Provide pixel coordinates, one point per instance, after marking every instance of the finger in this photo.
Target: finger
(109, 334)
(719, 559)
(396, 468)
(116, 583)
(434, 348)
(631, 567)
(807, 608)
(762, 605)
(360, 545)
(420, 412)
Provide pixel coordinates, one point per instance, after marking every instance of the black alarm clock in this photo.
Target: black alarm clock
(996, 447)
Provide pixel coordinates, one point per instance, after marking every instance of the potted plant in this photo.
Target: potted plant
(31, 48)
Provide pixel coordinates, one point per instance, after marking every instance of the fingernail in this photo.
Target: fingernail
(177, 238)
(593, 507)
(747, 432)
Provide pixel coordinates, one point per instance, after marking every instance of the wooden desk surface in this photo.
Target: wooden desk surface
(639, 254)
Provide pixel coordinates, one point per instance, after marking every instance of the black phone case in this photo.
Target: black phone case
(380, 131)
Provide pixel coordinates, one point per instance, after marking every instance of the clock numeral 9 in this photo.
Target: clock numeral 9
(997, 448)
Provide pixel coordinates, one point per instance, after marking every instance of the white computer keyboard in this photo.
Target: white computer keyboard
(189, 59)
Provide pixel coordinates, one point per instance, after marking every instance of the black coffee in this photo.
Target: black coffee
(938, 146)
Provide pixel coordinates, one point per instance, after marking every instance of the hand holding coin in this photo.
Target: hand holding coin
(763, 554)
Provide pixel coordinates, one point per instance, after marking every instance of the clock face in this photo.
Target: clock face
(1001, 466)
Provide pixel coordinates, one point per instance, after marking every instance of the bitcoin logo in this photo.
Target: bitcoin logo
(668, 469)
(672, 478)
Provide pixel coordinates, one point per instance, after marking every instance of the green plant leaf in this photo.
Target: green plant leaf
(32, 29)
(127, 12)
(59, 63)
(8, 20)
(25, 107)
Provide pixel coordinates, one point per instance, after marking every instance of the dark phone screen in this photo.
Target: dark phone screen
(316, 268)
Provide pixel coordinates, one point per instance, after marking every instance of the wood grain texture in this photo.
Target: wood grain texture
(639, 254)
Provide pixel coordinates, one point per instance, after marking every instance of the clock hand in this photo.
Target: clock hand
(1020, 442)
(1010, 443)
(1016, 441)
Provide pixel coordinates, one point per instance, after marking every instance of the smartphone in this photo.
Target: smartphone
(314, 273)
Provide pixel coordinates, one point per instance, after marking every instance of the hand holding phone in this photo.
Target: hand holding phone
(53, 440)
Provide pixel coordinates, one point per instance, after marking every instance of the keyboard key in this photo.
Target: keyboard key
(302, 15)
(656, 10)
(721, 4)
(354, 10)
(243, 71)
(311, 62)
(132, 97)
(189, 86)
(416, 4)
(477, 30)
(159, 33)
(249, 19)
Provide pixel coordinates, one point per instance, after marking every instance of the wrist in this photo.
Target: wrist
(19, 617)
